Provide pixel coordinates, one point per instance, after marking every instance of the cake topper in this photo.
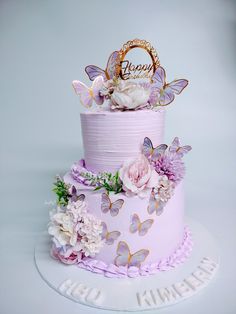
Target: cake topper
(129, 83)
(125, 69)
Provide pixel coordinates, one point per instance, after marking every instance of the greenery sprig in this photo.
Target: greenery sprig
(62, 191)
(106, 180)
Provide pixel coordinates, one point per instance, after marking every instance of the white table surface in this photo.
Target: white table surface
(44, 46)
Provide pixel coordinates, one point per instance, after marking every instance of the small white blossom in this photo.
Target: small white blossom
(165, 188)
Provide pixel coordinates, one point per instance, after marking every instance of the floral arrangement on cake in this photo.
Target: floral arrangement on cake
(155, 170)
(75, 232)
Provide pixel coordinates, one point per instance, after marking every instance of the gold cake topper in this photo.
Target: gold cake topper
(125, 69)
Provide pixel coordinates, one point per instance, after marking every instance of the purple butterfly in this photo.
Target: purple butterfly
(107, 205)
(176, 148)
(74, 197)
(87, 95)
(93, 71)
(141, 227)
(124, 257)
(164, 93)
(110, 237)
(155, 205)
(151, 152)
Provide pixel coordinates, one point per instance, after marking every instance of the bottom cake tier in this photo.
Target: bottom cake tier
(135, 241)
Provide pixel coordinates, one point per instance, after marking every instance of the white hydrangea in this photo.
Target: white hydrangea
(165, 189)
(91, 231)
(74, 229)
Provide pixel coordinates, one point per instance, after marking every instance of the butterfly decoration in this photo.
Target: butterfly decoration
(93, 71)
(74, 197)
(153, 153)
(124, 257)
(110, 237)
(165, 92)
(141, 227)
(107, 205)
(176, 148)
(155, 205)
(89, 94)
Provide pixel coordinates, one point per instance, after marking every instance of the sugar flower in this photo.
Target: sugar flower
(75, 233)
(165, 189)
(129, 95)
(170, 165)
(138, 176)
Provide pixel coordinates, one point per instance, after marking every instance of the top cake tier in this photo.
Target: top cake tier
(110, 138)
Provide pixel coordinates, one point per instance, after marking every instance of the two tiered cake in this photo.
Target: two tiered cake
(121, 209)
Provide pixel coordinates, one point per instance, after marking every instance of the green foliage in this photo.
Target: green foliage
(106, 180)
(61, 190)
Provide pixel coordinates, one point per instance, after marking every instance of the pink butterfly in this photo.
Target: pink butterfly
(176, 147)
(165, 93)
(155, 205)
(151, 152)
(107, 205)
(93, 71)
(124, 257)
(87, 95)
(110, 237)
(141, 227)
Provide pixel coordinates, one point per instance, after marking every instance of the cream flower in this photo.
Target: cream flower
(63, 229)
(129, 95)
(138, 176)
(165, 189)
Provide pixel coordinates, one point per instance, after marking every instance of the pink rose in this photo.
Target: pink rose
(138, 176)
(70, 257)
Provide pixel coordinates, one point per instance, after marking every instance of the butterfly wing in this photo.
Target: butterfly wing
(174, 145)
(147, 147)
(104, 230)
(81, 197)
(111, 64)
(158, 151)
(84, 92)
(135, 222)
(181, 151)
(96, 87)
(111, 237)
(93, 71)
(116, 206)
(123, 254)
(153, 204)
(177, 86)
(138, 257)
(159, 78)
(106, 203)
(166, 96)
(145, 226)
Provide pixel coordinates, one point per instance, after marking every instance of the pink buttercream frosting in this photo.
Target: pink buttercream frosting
(111, 270)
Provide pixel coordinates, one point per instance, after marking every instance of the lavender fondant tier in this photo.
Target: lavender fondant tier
(162, 237)
(110, 138)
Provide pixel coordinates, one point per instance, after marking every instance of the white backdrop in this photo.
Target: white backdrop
(44, 45)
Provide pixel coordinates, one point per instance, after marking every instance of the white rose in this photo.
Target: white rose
(129, 95)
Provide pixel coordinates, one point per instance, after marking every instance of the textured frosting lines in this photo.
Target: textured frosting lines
(111, 138)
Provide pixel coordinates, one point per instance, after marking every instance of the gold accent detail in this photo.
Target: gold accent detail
(137, 43)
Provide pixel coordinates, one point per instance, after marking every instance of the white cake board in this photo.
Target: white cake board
(133, 294)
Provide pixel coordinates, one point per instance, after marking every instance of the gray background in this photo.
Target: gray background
(44, 45)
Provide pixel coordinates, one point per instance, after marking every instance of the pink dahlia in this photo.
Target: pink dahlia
(170, 165)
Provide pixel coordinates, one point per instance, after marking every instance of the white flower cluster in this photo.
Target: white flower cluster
(75, 231)
(165, 188)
